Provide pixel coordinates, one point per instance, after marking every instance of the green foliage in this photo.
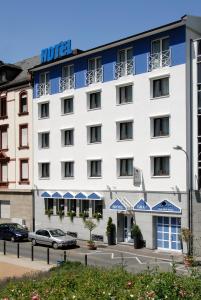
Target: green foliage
(90, 225)
(110, 226)
(136, 231)
(75, 281)
(71, 214)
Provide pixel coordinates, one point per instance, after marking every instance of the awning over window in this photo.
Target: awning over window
(95, 196)
(69, 195)
(46, 195)
(81, 196)
(57, 195)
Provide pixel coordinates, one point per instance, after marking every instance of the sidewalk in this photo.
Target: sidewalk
(11, 266)
(176, 256)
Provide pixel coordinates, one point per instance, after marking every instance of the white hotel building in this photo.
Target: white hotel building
(105, 123)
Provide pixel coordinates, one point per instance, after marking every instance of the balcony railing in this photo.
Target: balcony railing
(43, 89)
(94, 76)
(67, 83)
(159, 60)
(123, 69)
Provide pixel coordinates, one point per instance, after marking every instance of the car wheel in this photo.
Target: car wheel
(12, 239)
(33, 241)
(55, 245)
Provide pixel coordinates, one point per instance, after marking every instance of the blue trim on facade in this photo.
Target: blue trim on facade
(117, 205)
(142, 206)
(141, 49)
(68, 195)
(166, 206)
(94, 196)
(81, 196)
(46, 195)
(57, 195)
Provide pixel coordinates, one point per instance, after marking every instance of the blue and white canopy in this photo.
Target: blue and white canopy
(81, 196)
(57, 195)
(46, 195)
(69, 195)
(118, 205)
(95, 196)
(142, 205)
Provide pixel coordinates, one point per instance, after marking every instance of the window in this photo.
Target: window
(67, 169)
(24, 170)
(161, 166)
(125, 94)
(125, 62)
(95, 72)
(4, 137)
(94, 100)
(23, 139)
(125, 130)
(49, 206)
(4, 172)
(71, 205)
(67, 137)
(84, 208)
(97, 209)
(94, 168)
(44, 84)
(94, 133)
(59, 206)
(23, 103)
(160, 54)
(44, 170)
(44, 140)
(125, 167)
(67, 106)
(160, 87)
(43, 111)
(160, 126)
(67, 80)
(3, 107)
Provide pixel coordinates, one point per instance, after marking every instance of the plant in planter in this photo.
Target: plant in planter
(111, 232)
(137, 236)
(60, 213)
(84, 214)
(71, 214)
(186, 236)
(49, 212)
(90, 225)
(97, 216)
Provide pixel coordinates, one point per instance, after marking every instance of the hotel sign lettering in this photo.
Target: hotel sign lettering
(57, 51)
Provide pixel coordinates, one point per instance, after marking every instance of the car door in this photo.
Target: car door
(43, 237)
(46, 237)
(39, 237)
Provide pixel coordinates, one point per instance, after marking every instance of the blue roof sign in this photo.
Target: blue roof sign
(56, 51)
(166, 206)
(142, 205)
(117, 205)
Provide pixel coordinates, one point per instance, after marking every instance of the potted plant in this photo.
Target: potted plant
(111, 232)
(97, 216)
(84, 214)
(60, 213)
(71, 214)
(137, 236)
(186, 236)
(90, 225)
(49, 212)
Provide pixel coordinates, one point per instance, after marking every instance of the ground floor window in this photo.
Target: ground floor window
(97, 209)
(60, 207)
(49, 206)
(4, 209)
(84, 208)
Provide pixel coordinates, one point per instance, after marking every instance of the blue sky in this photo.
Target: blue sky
(28, 26)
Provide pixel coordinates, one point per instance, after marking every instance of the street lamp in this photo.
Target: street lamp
(189, 189)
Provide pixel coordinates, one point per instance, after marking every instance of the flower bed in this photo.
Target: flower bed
(75, 281)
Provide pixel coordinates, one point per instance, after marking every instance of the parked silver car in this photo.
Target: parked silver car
(51, 237)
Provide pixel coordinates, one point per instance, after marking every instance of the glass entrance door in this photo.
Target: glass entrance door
(128, 224)
(168, 231)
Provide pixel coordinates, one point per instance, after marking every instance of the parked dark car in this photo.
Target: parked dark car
(13, 232)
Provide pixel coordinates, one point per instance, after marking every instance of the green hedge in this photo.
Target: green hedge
(75, 281)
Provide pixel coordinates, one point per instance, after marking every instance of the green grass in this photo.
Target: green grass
(75, 281)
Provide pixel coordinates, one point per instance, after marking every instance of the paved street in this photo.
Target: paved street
(106, 256)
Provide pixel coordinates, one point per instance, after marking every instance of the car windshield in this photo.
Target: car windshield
(16, 226)
(57, 232)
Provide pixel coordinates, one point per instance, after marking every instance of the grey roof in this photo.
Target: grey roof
(23, 76)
